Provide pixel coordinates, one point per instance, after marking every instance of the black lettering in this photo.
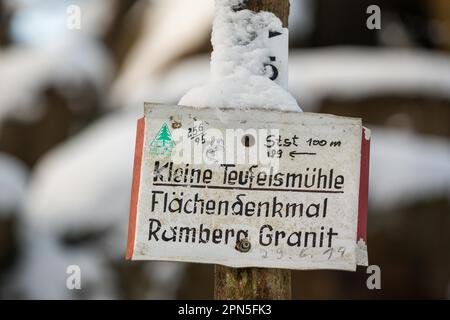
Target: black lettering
(151, 231)
(265, 239)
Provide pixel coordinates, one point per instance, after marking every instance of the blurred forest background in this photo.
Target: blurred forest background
(69, 100)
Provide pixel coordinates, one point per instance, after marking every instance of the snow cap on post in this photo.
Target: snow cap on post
(242, 70)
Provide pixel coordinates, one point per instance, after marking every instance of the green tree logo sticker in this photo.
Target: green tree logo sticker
(163, 143)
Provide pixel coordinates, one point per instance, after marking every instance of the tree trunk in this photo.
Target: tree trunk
(256, 283)
(279, 7)
(252, 284)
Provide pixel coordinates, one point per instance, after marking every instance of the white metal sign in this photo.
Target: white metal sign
(249, 188)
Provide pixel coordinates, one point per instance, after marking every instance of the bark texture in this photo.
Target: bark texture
(252, 284)
(279, 7)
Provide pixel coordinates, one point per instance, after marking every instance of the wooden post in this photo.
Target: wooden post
(278, 7)
(252, 284)
(256, 283)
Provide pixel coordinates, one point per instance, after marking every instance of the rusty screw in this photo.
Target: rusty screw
(176, 124)
(243, 245)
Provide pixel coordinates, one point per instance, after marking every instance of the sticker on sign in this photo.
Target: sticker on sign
(249, 188)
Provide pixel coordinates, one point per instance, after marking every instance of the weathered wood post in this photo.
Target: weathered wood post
(256, 283)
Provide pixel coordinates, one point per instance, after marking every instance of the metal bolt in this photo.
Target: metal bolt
(243, 245)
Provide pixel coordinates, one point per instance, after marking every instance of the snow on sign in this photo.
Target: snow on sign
(249, 188)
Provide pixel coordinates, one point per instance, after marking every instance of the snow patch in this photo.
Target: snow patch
(407, 168)
(357, 73)
(41, 272)
(25, 72)
(50, 54)
(13, 179)
(241, 50)
(172, 29)
(84, 185)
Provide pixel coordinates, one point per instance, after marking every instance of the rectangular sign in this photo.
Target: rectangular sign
(249, 188)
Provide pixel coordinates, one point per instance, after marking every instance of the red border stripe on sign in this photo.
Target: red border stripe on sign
(135, 187)
(363, 188)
